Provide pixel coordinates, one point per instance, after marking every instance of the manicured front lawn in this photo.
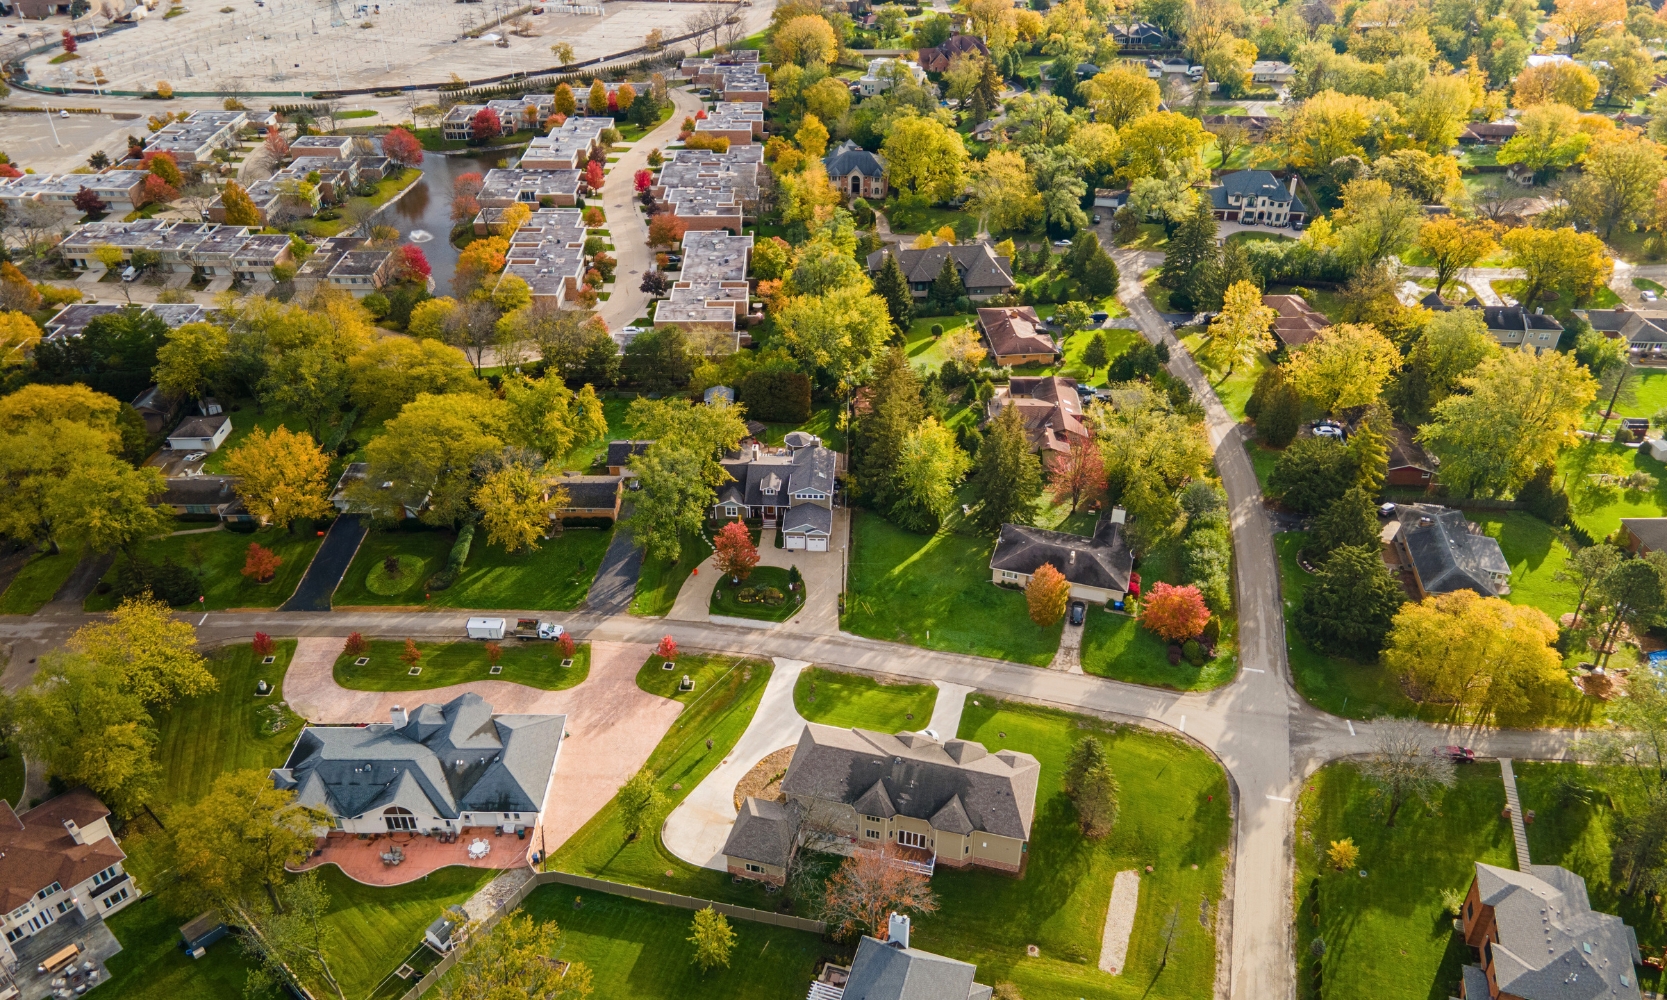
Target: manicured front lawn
(1173, 815)
(1577, 812)
(535, 663)
(1114, 645)
(725, 696)
(935, 591)
(661, 579)
(556, 576)
(37, 581)
(846, 700)
(1386, 933)
(640, 951)
(218, 558)
(727, 598)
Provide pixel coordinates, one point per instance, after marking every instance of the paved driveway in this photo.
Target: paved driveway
(616, 578)
(612, 725)
(329, 565)
(822, 572)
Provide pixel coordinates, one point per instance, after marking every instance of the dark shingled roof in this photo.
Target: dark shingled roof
(589, 492)
(762, 834)
(1101, 561)
(772, 480)
(1406, 453)
(198, 490)
(913, 775)
(1448, 555)
(1249, 184)
(620, 452)
(36, 850)
(1517, 318)
(1551, 944)
(805, 518)
(1651, 532)
(200, 427)
(849, 158)
(981, 270)
(884, 971)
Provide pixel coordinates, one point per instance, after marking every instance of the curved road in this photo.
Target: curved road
(1266, 736)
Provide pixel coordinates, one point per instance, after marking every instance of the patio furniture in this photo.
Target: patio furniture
(479, 849)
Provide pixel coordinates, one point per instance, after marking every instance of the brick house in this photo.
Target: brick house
(1538, 938)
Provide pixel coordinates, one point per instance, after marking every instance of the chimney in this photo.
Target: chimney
(75, 833)
(897, 930)
(398, 717)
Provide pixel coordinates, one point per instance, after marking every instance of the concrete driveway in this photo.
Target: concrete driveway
(612, 724)
(822, 572)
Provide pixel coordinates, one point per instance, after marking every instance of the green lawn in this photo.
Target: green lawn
(372, 930)
(823, 422)
(37, 581)
(725, 695)
(924, 350)
(1603, 521)
(152, 966)
(535, 663)
(929, 219)
(218, 558)
(1233, 388)
(385, 189)
(1262, 459)
(639, 951)
(935, 591)
(1576, 811)
(726, 598)
(585, 457)
(661, 579)
(246, 415)
(1646, 285)
(1649, 397)
(1603, 298)
(1324, 300)
(1535, 554)
(845, 700)
(555, 577)
(1114, 645)
(1386, 935)
(1174, 815)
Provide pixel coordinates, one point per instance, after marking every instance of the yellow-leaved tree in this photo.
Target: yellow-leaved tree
(282, 476)
(517, 507)
(1482, 655)
(1345, 366)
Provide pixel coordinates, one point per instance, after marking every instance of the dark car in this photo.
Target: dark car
(1099, 317)
(1078, 611)
(1459, 755)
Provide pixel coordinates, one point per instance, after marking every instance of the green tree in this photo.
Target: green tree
(1585, 569)
(1633, 593)
(837, 333)
(638, 800)
(1007, 478)
(947, 287)
(514, 959)
(925, 159)
(1275, 406)
(517, 507)
(1352, 519)
(883, 432)
(88, 728)
(1096, 355)
(292, 936)
(235, 842)
(149, 651)
(672, 500)
(892, 286)
(1191, 259)
(1150, 452)
(931, 466)
(1092, 786)
(429, 453)
(658, 360)
(105, 504)
(313, 381)
(1312, 474)
(710, 933)
(1450, 347)
(1350, 605)
(192, 361)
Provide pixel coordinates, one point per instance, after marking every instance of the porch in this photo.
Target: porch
(97, 946)
(398, 858)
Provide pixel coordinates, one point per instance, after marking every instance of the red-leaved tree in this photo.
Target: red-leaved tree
(162, 164)
(736, 554)
(263, 644)
(260, 563)
(485, 125)
(156, 189)
(644, 179)
(411, 654)
(594, 216)
(87, 201)
(356, 645)
(869, 886)
(1175, 613)
(667, 649)
(1046, 595)
(665, 230)
(412, 264)
(593, 176)
(468, 184)
(402, 147)
(69, 41)
(1079, 475)
(277, 146)
(566, 642)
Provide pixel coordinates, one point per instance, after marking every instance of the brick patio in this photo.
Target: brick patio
(361, 860)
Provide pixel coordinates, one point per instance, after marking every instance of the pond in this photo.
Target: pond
(423, 216)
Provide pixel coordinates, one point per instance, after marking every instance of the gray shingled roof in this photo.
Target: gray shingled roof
(1249, 184)
(1551, 944)
(883, 971)
(763, 833)
(1650, 531)
(806, 518)
(981, 270)
(620, 452)
(589, 492)
(848, 158)
(1101, 561)
(1447, 554)
(913, 775)
(807, 468)
(1517, 318)
(447, 759)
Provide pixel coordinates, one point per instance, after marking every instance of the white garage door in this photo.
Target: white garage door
(795, 541)
(818, 545)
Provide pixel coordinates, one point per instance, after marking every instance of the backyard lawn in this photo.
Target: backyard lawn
(727, 599)
(152, 966)
(846, 700)
(1386, 933)
(725, 696)
(371, 930)
(1174, 815)
(1535, 554)
(555, 577)
(639, 951)
(535, 663)
(935, 591)
(661, 579)
(619, 429)
(218, 558)
(925, 350)
(37, 581)
(1601, 522)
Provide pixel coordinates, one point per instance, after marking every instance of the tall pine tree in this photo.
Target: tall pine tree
(891, 284)
(986, 95)
(1099, 275)
(1191, 260)
(947, 287)
(895, 411)
(1007, 478)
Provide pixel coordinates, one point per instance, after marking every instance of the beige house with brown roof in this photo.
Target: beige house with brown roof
(1016, 336)
(1297, 322)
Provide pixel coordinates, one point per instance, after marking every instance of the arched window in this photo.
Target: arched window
(399, 818)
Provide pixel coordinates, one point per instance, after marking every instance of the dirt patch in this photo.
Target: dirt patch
(764, 780)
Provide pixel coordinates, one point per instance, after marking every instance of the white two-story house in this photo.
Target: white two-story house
(791, 487)
(1256, 198)
(58, 861)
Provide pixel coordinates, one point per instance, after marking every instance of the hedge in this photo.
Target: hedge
(776, 397)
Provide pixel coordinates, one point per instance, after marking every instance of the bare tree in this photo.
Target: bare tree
(32, 229)
(199, 197)
(816, 849)
(472, 327)
(1403, 765)
(327, 112)
(869, 885)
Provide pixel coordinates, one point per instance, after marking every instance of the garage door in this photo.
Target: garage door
(795, 541)
(818, 545)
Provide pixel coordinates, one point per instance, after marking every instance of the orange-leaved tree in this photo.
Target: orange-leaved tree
(869, 885)
(260, 563)
(1175, 613)
(411, 654)
(1046, 594)
(736, 554)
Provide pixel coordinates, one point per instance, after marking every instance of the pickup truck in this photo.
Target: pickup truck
(532, 628)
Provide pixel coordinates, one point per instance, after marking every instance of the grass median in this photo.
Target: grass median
(534, 663)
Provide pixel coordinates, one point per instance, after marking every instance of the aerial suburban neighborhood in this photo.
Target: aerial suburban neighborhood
(828, 499)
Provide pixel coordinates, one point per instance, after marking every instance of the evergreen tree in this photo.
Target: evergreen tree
(947, 286)
(986, 96)
(1082, 251)
(1371, 456)
(896, 411)
(1351, 605)
(1191, 260)
(1100, 277)
(1042, 261)
(1235, 267)
(1351, 520)
(1096, 355)
(891, 284)
(1281, 414)
(1007, 478)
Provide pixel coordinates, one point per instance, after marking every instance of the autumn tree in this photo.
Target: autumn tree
(736, 554)
(1454, 244)
(868, 886)
(260, 563)
(713, 939)
(518, 507)
(402, 147)
(1343, 367)
(1563, 82)
(1481, 655)
(1120, 94)
(1402, 767)
(930, 467)
(1548, 137)
(513, 960)
(281, 476)
(1079, 475)
(152, 654)
(1579, 20)
(925, 159)
(485, 126)
(1174, 613)
(1046, 594)
(665, 230)
(240, 208)
(1241, 331)
(1617, 185)
(234, 844)
(1004, 192)
(86, 726)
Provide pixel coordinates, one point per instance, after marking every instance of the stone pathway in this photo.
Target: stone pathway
(946, 711)
(1519, 831)
(1114, 940)
(1069, 656)
(492, 896)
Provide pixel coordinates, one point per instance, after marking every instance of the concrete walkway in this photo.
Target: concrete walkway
(946, 711)
(696, 830)
(1519, 830)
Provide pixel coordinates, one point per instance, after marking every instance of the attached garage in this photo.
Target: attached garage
(816, 544)
(807, 526)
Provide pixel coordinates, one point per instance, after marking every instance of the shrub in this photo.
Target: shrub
(1193, 652)
(937, 329)
(776, 396)
(458, 556)
(263, 645)
(1175, 613)
(667, 649)
(356, 645)
(1212, 632)
(1343, 854)
(170, 581)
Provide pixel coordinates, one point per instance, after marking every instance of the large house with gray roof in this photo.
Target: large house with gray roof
(1096, 566)
(1538, 938)
(1437, 551)
(1256, 197)
(791, 488)
(437, 769)
(982, 272)
(856, 170)
(888, 969)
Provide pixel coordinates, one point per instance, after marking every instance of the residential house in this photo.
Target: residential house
(588, 497)
(72, 320)
(1487, 133)
(1141, 36)
(1272, 71)
(952, 803)
(1515, 326)
(360, 272)
(1050, 408)
(780, 486)
(118, 189)
(620, 454)
(1096, 566)
(884, 72)
(437, 769)
(982, 272)
(201, 433)
(1409, 463)
(740, 122)
(205, 497)
(706, 190)
(1016, 336)
(1645, 534)
(856, 171)
(59, 865)
(255, 259)
(1644, 329)
(1537, 938)
(1296, 322)
(1111, 198)
(547, 252)
(937, 60)
(1256, 198)
(567, 147)
(1437, 551)
(1256, 127)
(762, 842)
(354, 474)
(338, 147)
(155, 407)
(891, 970)
(503, 188)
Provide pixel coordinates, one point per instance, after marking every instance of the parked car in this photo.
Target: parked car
(196, 456)
(1061, 243)
(1079, 610)
(1325, 428)
(1648, 296)
(1456, 754)
(532, 628)
(1096, 218)
(1386, 510)
(1099, 317)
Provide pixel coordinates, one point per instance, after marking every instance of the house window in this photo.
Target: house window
(731, 511)
(64, 907)
(871, 834)
(758, 869)
(49, 890)
(115, 897)
(15, 934)
(398, 818)
(908, 839)
(1008, 574)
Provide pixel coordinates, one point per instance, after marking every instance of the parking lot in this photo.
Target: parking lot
(29, 139)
